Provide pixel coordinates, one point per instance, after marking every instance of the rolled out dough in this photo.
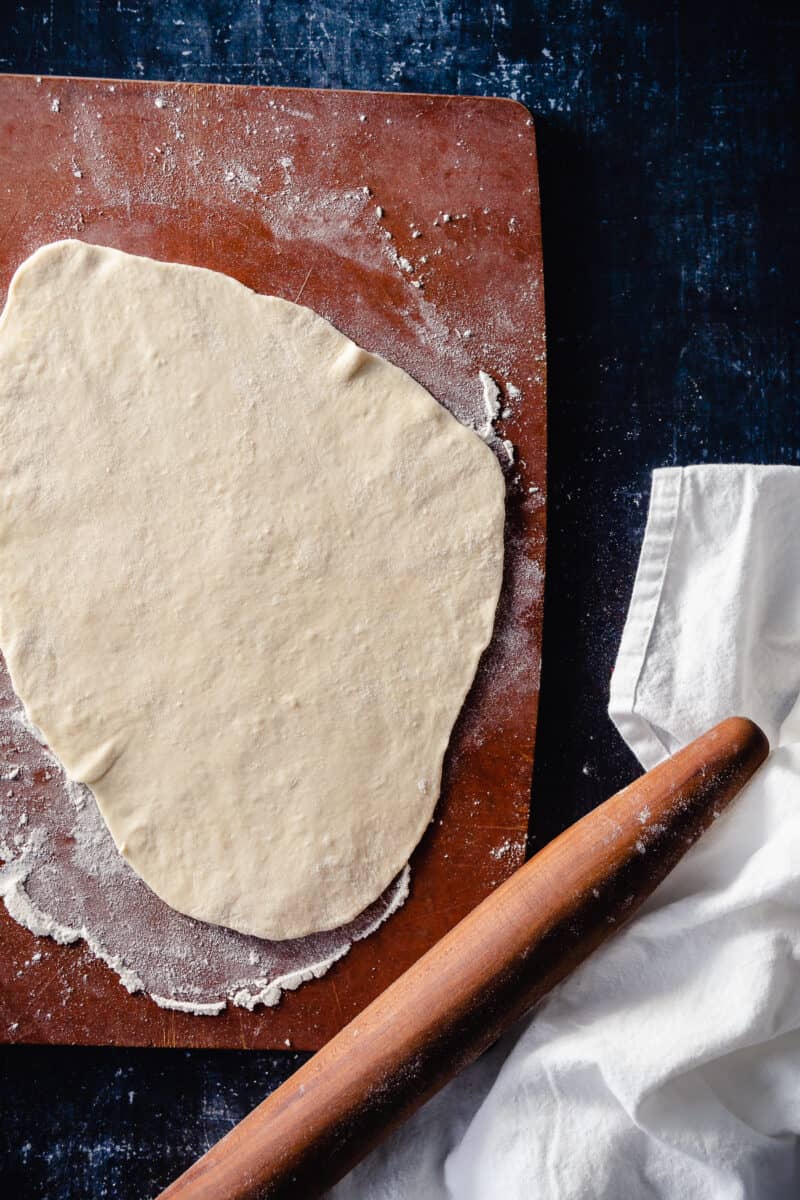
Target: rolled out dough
(247, 571)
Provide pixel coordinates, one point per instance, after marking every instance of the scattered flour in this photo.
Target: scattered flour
(492, 412)
(212, 1009)
(491, 403)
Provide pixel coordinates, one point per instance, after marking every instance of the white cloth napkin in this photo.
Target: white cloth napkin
(668, 1065)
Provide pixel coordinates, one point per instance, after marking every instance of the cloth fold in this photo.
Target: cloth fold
(668, 1065)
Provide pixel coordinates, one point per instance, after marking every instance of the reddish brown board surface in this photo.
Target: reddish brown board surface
(270, 186)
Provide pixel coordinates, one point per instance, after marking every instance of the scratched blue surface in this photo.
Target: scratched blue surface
(669, 170)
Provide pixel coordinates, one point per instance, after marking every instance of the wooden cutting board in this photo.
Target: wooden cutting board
(412, 223)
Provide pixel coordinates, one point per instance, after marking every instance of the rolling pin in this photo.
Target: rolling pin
(477, 981)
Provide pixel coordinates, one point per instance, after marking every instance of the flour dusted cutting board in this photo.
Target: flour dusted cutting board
(412, 223)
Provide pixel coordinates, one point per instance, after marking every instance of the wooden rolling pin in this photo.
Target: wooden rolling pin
(473, 984)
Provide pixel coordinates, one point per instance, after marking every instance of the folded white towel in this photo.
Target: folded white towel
(668, 1065)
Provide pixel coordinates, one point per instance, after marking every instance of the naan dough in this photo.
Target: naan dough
(247, 571)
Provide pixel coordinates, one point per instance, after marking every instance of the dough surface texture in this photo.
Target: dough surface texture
(247, 571)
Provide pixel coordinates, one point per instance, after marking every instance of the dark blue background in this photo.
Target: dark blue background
(668, 159)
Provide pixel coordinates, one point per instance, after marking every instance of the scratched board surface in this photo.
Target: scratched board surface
(668, 158)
